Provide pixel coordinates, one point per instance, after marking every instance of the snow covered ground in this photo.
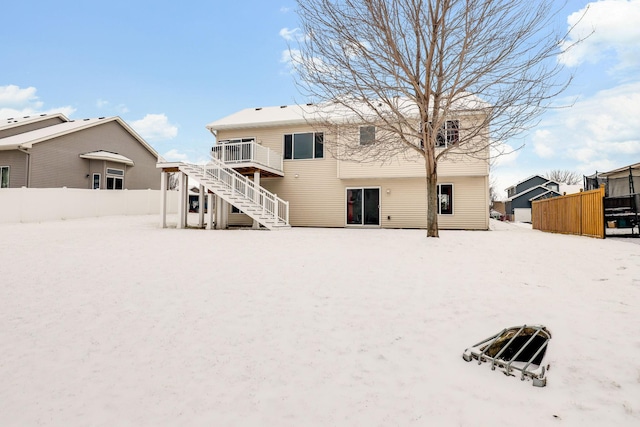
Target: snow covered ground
(113, 321)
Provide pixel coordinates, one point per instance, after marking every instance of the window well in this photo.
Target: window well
(519, 348)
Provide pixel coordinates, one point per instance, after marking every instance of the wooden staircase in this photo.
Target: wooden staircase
(257, 202)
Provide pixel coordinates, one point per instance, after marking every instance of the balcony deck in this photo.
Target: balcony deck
(249, 157)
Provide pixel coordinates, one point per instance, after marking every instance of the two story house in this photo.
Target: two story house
(282, 150)
(520, 196)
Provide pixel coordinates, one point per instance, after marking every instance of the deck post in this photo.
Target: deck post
(209, 211)
(218, 213)
(163, 199)
(184, 200)
(256, 182)
(201, 207)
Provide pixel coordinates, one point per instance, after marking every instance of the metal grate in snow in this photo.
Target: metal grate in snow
(519, 348)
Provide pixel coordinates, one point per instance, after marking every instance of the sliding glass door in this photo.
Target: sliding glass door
(363, 206)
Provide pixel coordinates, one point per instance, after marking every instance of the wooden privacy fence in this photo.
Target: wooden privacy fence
(580, 213)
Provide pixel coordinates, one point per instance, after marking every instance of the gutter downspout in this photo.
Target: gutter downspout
(23, 150)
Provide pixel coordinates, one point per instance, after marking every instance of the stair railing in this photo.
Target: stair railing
(240, 185)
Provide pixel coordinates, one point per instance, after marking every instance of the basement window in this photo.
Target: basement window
(519, 348)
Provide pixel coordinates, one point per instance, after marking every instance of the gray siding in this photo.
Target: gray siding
(28, 127)
(57, 162)
(17, 162)
(531, 182)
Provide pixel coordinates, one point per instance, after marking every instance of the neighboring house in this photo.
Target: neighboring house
(48, 151)
(282, 150)
(520, 196)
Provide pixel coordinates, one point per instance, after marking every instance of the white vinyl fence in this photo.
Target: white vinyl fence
(50, 204)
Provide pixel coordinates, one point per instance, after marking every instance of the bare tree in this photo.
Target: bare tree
(565, 176)
(409, 67)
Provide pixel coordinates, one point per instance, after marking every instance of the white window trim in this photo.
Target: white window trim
(453, 193)
(114, 176)
(8, 168)
(346, 211)
(293, 144)
(93, 180)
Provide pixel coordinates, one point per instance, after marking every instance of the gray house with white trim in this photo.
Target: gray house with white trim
(520, 196)
(49, 151)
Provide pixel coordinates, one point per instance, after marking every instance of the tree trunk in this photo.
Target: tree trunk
(432, 197)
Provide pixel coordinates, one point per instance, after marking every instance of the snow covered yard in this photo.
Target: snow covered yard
(113, 321)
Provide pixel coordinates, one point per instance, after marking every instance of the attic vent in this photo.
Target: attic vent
(26, 117)
(42, 115)
(259, 108)
(283, 106)
(310, 103)
(85, 119)
(100, 118)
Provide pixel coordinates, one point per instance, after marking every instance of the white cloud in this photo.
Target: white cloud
(285, 9)
(12, 95)
(504, 154)
(540, 145)
(610, 27)
(174, 155)
(603, 129)
(155, 127)
(101, 103)
(19, 102)
(122, 109)
(291, 35)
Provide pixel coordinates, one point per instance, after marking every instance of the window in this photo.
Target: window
(235, 210)
(304, 145)
(445, 199)
(115, 179)
(96, 181)
(367, 135)
(4, 176)
(448, 134)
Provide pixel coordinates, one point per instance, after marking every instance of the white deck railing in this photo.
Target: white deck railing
(239, 185)
(247, 152)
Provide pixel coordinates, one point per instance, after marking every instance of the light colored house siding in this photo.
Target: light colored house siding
(17, 162)
(57, 162)
(316, 188)
(412, 165)
(470, 203)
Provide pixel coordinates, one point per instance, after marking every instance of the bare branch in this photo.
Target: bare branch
(415, 68)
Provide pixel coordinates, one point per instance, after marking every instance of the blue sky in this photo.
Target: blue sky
(169, 68)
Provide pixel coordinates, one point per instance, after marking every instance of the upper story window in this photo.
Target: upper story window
(448, 134)
(4, 176)
(367, 135)
(308, 145)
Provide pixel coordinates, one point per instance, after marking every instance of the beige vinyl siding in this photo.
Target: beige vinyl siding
(317, 196)
(470, 203)
(57, 162)
(28, 127)
(17, 162)
(413, 166)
